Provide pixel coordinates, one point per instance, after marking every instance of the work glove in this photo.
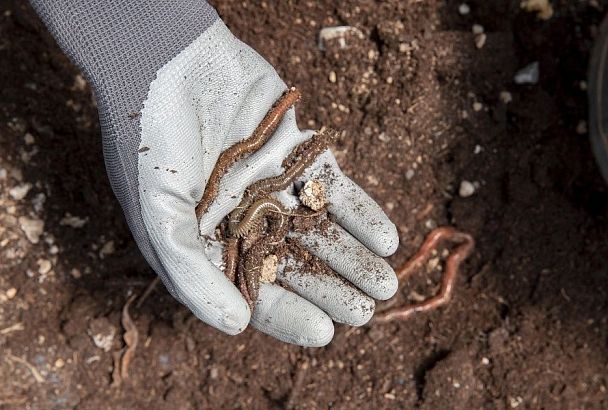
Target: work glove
(175, 89)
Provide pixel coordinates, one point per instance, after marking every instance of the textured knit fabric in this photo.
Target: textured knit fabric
(119, 46)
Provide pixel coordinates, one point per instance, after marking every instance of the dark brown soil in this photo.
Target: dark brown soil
(527, 327)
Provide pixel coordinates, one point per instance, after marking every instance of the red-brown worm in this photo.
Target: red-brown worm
(256, 212)
(280, 182)
(462, 252)
(251, 144)
(231, 254)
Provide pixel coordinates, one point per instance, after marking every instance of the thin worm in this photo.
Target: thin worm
(280, 182)
(462, 252)
(251, 144)
(242, 284)
(256, 212)
(231, 254)
(251, 268)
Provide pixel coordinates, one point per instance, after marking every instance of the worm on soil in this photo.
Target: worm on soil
(462, 252)
(131, 338)
(280, 182)
(251, 144)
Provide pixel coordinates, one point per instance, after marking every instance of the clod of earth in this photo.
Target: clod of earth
(312, 195)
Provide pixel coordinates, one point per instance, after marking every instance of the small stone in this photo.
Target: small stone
(214, 373)
(409, 174)
(20, 191)
(383, 137)
(505, 97)
(312, 195)
(11, 293)
(477, 149)
(102, 332)
(32, 228)
(528, 75)
(515, 401)
(480, 40)
(59, 363)
(38, 202)
(73, 221)
(583, 85)
(269, 269)
(107, 249)
(485, 361)
(581, 127)
(477, 106)
(466, 189)
(543, 8)
(29, 139)
(477, 29)
(464, 9)
(76, 274)
(332, 77)
(44, 266)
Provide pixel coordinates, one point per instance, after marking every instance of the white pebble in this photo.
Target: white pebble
(409, 174)
(29, 139)
(505, 97)
(528, 75)
(106, 249)
(32, 227)
(20, 191)
(477, 29)
(11, 293)
(73, 221)
(44, 266)
(466, 189)
(464, 9)
(480, 40)
(477, 106)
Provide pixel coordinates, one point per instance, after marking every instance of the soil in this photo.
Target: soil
(422, 112)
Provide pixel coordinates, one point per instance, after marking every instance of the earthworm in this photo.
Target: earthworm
(231, 254)
(256, 212)
(251, 144)
(242, 284)
(251, 267)
(462, 252)
(280, 182)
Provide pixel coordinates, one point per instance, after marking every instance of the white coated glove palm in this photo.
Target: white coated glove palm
(196, 108)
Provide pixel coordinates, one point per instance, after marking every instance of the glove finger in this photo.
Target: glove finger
(349, 258)
(353, 209)
(194, 281)
(330, 292)
(290, 318)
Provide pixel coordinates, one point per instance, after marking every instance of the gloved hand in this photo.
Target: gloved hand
(175, 88)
